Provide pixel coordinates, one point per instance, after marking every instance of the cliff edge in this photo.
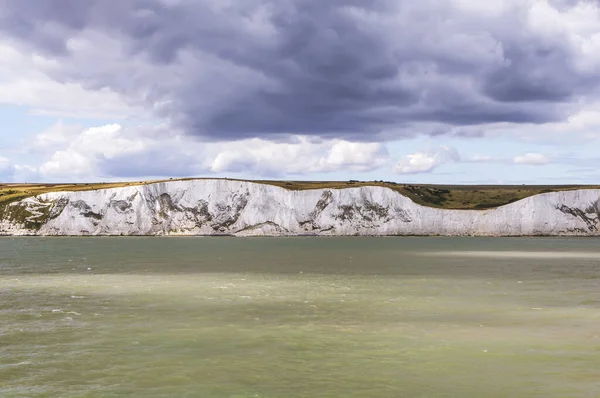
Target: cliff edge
(242, 208)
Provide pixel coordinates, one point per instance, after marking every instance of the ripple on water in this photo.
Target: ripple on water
(515, 254)
(390, 323)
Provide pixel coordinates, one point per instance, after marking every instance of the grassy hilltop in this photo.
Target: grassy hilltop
(466, 197)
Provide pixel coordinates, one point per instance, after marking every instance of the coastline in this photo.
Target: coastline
(227, 208)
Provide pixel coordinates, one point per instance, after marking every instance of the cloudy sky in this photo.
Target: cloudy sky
(433, 91)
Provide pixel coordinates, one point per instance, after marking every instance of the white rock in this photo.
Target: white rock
(224, 207)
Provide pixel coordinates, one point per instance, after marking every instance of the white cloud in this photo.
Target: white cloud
(6, 169)
(68, 164)
(419, 162)
(10, 172)
(23, 82)
(58, 134)
(301, 156)
(25, 173)
(114, 151)
(426, 161)
(4, 164)
(85, 153)
(481, 159)
(532, 159)
(582, 126)
(357, 156)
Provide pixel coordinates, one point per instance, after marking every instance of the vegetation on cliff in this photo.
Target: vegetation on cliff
(460, 197)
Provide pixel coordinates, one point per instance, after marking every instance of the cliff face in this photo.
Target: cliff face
(219, 207)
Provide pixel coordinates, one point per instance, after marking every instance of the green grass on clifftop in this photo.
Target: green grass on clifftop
(466, 197)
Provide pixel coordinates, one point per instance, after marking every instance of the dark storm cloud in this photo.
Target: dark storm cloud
(226, 70)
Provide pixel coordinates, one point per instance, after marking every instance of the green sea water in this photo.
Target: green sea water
(299, 317)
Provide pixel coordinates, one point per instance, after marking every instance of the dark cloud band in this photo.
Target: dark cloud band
(339, 68)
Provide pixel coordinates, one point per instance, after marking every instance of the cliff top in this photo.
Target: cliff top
(466, 197)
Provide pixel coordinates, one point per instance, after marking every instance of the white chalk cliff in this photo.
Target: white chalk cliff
(225, 207)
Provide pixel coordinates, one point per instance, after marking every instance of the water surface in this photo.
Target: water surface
(299, 317)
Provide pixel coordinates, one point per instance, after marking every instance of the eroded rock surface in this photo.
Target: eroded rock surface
(224, 207)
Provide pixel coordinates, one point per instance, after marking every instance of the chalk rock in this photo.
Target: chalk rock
(225, 207)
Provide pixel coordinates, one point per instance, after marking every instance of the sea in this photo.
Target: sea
(299, 317)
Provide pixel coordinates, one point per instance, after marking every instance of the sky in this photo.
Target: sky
(428, 91)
